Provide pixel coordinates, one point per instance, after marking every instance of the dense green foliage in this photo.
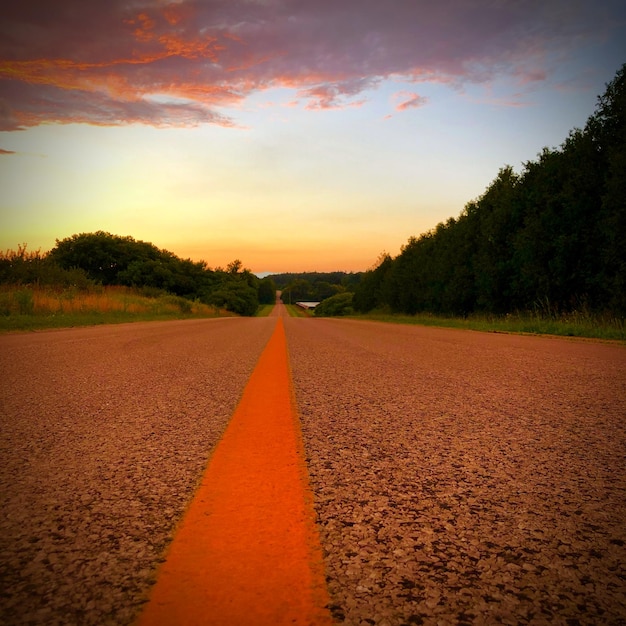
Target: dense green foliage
(106, 259)
(345, 279)
(114, 260)
(236, 290)
(551, 239)
(22, 267)
(337, 305)
(314, 286)
(267, 291)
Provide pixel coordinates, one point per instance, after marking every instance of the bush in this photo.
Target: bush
(338, 305)
(236, 296)
(22, 267)
(184, 305)
(25, 302)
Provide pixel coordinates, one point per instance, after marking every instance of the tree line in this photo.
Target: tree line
(314, 286)
(552, 238)
(87, 259)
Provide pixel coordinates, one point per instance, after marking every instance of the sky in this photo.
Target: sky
(293, 135)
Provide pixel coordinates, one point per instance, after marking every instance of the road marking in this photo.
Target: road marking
(247, 551)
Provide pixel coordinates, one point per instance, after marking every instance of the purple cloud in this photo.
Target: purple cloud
(331, 95)
(180, 63)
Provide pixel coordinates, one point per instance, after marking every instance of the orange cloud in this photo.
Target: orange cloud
(143, 32)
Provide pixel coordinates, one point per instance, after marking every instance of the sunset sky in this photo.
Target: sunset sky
(295, 135)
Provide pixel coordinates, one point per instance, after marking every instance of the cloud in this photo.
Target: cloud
(44, 103)
(409, 100)
(332, 95)
(190, 62)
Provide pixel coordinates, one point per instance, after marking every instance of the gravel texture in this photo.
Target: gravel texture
(104, 435)
(464, 477)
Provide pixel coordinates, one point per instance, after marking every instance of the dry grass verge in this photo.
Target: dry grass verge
(31, 308)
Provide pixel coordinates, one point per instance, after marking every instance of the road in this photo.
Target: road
(459, 477)
(105, 434)
(464, 477)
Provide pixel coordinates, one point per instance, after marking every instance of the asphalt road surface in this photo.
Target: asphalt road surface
(464, 477)
(459, 477)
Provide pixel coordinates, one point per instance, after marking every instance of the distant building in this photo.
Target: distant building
(309, 306)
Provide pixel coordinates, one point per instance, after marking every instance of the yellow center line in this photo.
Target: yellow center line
(247, 551)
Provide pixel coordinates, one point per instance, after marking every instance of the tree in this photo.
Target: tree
(102, 255)
(552, 238)
(236, 289)
(372, 292)
(234, 267)
(608, 129)
(298, 290)
(497, 218)
(267, 291)
(235, 296)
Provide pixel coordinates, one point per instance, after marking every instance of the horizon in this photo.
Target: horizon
(295, 136)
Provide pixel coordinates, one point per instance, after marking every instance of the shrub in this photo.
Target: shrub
(236, 296)
(25, 302)
(338, 305)
(184, 305)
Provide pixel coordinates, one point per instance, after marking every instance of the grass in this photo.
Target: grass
(296, 311)
(264, 310)
(573, 325)
(33, 308)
